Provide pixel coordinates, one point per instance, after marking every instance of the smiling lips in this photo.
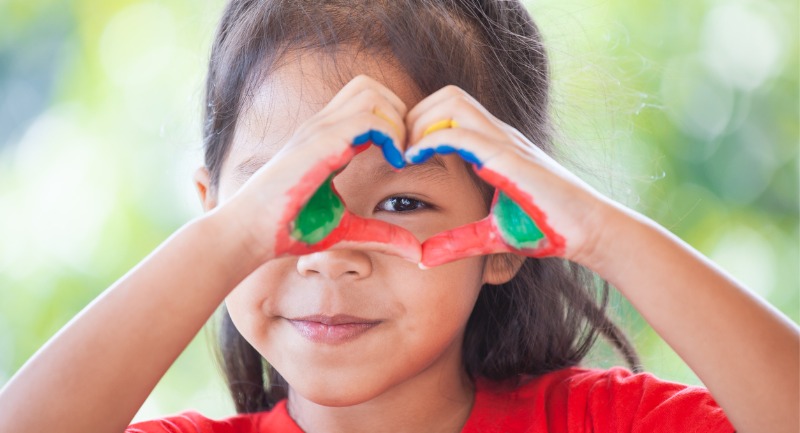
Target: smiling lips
(332, 329)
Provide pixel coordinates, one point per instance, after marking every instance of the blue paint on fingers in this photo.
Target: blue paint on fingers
(444, 149)
(385, 142)
(361, 139)
(422, 156)
(395, 158)
(470, 158)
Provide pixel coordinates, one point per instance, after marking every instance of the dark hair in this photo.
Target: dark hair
(549, 315)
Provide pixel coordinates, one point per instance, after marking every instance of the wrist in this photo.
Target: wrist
(627, 241)
(234, 240)
(611, 225)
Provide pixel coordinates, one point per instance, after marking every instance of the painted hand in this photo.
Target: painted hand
(298, 210)
(537, 206)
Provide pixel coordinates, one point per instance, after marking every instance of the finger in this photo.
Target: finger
(367, 127)
(378, 235)
(423, 106)
(353, 87)
(442, 124)
(473, 146)
(398, 104)
(369, 99)
(358, 84)
(478, 238)
(354, 232)
(388, 139)
(463, 112)
(357, 130)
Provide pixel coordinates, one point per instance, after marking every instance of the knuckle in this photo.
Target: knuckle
(462, 103)
(452, 89)
(457, 103)
(357, 82)
(364, 79)
(365, 98)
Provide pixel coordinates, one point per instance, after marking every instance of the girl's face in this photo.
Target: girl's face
(413, 320)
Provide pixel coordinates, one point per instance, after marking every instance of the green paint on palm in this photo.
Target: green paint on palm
(320, 215)
(516, 227)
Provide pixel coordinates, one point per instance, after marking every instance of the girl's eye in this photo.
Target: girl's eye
(401, 204)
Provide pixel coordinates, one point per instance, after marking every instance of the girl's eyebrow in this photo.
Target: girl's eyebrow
(432, 170)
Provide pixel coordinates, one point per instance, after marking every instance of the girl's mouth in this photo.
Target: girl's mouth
(332, 329)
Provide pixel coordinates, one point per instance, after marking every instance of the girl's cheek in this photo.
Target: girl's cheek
(258, 294)
(445, 295)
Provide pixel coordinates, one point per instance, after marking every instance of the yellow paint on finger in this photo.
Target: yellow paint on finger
(442, 124)
(380, 114)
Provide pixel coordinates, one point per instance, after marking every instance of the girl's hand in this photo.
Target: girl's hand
(539, 208)
(289, 206)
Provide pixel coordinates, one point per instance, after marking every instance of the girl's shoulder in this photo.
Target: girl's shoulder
(275, 420)
(584, 399)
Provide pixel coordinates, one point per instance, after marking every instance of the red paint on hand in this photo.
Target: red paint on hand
(352, 231)
(554, 243)
(356, 232)
(484, 237)
(478, 238)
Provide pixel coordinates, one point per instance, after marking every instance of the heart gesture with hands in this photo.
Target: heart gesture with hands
(536, 210)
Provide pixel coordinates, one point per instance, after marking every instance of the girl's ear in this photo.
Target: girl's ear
(202, 181)
(501, 268)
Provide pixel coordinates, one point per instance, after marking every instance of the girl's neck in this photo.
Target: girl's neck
(439, 399)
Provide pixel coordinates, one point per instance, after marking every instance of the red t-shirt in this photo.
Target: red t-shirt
(571, 400)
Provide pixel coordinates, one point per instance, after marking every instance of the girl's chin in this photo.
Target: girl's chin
(347, 396)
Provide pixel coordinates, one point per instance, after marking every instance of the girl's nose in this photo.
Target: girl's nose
(333, 264)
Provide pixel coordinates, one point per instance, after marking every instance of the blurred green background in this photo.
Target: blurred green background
(686, 110)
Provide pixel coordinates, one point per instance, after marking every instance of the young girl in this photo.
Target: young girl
(397, 307)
